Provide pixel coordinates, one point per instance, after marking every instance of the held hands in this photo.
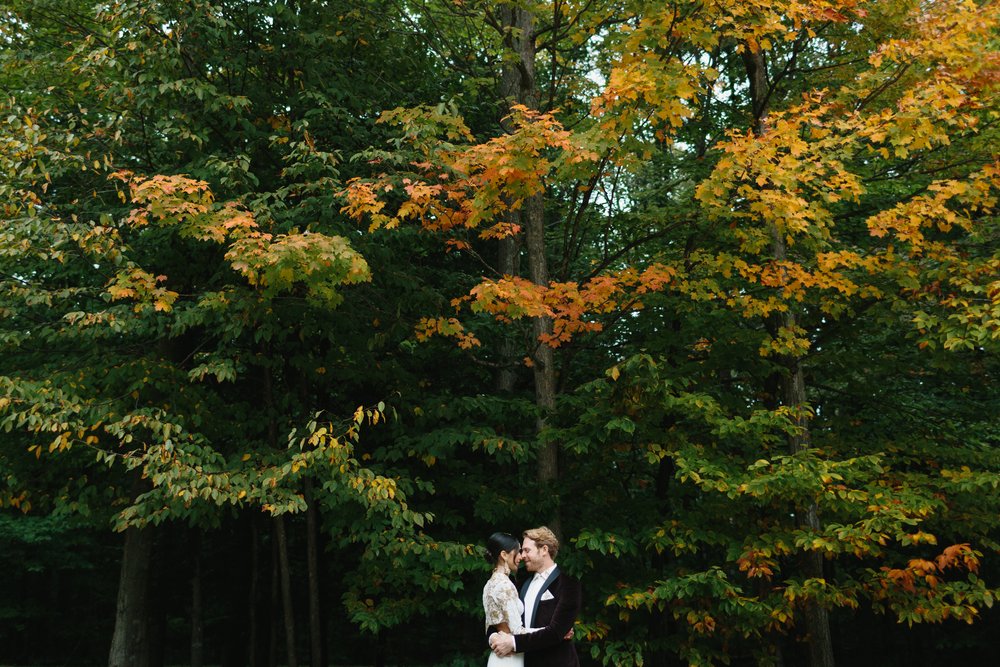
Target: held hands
(502, 644)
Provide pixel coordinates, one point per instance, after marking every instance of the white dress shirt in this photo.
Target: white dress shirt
(534, 590)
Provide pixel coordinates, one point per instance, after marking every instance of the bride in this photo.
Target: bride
(501, 603)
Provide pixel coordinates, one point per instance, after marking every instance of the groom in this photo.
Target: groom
(551, 605)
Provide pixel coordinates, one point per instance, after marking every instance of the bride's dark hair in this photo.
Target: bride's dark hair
(500, 542)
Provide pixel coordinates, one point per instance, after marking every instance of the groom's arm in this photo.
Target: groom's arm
(567, 609)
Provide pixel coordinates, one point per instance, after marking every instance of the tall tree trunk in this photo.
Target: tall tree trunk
(253, 648)
(508, 266)
(518, 77)
(197, 610)
(817, 617)
(316, 653)
(50, 631)
(155, 609)
(544, 367)
(793, 394)
(280, 536)
(661, 622)
(130, 641)
(379, 658)
(274, 615)
(508, 250)
(285, 577)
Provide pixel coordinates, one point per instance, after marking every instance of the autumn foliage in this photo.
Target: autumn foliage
(711, 287)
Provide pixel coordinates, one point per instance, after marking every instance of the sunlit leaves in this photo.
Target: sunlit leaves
(275, 264)
(467, 185)
(178, 324)
(572, 307)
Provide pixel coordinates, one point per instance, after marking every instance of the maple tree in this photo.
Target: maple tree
(713, 285)
(780, 204)
(155, 328)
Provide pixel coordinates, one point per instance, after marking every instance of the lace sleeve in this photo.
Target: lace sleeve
(501, 604)
(515, 609)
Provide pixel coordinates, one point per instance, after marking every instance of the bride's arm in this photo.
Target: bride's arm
(495, 605)
(514, 614)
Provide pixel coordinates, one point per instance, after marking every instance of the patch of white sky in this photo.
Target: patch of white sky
(12, 27)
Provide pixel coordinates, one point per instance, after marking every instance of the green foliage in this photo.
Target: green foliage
(191, 317)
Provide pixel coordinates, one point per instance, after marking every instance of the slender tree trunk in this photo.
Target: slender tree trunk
(253, 655)
(285, 576)
(130, 642)
(316, 654)
(280, 536)
(379, 659)
(661, 622)
(817, 617)
(156, 612)
(820, 639)
(508, 251)
(544, 356)
(507, 265)
(274, 615)
(518, 77)
(50, 632)
(197, 611)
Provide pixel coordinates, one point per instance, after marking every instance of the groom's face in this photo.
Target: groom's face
(531, 556)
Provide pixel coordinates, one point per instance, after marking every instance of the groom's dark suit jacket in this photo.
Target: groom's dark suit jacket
(546, 647)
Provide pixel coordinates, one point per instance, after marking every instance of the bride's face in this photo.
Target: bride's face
(512, 558)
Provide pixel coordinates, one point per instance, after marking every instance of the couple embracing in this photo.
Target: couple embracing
(533, 627)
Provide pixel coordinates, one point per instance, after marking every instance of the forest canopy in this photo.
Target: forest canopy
(303, 299)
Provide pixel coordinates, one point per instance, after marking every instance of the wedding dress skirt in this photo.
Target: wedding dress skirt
(512, 660)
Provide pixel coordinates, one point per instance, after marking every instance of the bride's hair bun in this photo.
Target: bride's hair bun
(500, 542)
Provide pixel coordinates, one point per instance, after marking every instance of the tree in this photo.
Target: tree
(785, 237)
(153, 325)
(734, 262)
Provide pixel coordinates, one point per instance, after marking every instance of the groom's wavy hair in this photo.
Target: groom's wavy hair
(544, 537)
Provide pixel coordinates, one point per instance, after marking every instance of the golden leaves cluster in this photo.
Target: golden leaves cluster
(466, 186)
(272, 263)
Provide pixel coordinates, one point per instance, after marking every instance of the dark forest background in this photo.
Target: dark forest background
(303, 299)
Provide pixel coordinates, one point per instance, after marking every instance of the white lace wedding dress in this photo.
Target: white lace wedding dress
(502, 605)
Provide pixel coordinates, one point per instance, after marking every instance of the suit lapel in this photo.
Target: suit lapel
(548, 582)
(538, 598)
